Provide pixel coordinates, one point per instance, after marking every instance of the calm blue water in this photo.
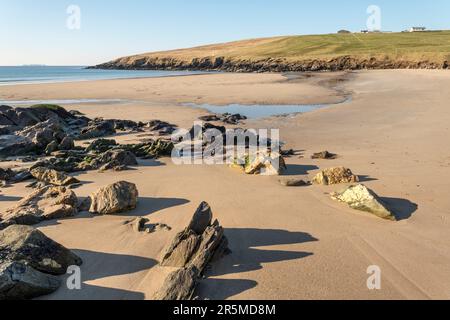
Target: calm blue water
(44, 74)
(257, 111)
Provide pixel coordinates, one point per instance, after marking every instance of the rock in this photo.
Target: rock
(183, 247)
(179, 285)
(52, 147)
(85, 205)
(151, 150)
(293, 183)
(13, 145)
(19, 281)
(101, 145)
(325, 155)
(335, 176)
(162, 127)
(197, 243)
(113, 159)
(44, 204)
(191, 251)
(31, 246)
(67, 144)
(115, 198)
(202, 218)
(228, 118)
(212, 239)
(139, 224)
(43, 133)
(53, 177)
(97, 129)
(264, 163)
(359, 197)
(6, 174)
(29, 263)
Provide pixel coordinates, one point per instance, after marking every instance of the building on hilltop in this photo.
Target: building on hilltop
(417, 29)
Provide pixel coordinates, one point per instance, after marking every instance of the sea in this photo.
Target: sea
(50, 74)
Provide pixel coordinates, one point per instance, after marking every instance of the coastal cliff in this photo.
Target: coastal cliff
(427, 50)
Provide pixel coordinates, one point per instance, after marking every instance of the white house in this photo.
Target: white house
(417, 29)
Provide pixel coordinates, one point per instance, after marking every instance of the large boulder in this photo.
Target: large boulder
(359, 197)
(115, 198)
(53, 177)
(335, 176)
(43, 204)
(29, 245)
(19, 281)
(30, 262)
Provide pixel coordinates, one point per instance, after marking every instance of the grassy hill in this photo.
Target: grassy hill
(422, 49)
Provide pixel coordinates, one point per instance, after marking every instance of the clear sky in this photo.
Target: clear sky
(36, 32)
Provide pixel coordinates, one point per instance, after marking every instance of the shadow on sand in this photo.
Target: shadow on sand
(97, 266)
(246, 258)
(298, 170)
(402, 208)
(8, 198)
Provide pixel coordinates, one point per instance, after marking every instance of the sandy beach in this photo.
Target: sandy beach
(286, 243)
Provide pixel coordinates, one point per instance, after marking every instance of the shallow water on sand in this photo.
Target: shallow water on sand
(258, 111)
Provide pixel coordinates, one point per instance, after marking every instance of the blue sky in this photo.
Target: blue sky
(35, 31)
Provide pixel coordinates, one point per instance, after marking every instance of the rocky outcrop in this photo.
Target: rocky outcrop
(191, 251)
(115, 198)
(227, 118)
(324, 155)
(43, 204)
(98, 128)
(335, 176)
(101, 145)
(30, 262)
(161, 127)
(116, 159)
(359, 197)
(53, 177)
(267, 65)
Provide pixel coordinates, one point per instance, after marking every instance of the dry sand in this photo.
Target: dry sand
(287, 243)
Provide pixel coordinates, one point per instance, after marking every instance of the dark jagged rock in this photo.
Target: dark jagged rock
(227, 118)
(191, 251)
(29, 263)
(162, 127)
(31, 246)
(114, 159)
(101, 145)
(98, 128)
(151, 150)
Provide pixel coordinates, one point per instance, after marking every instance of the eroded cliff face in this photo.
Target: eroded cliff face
(266, 65)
